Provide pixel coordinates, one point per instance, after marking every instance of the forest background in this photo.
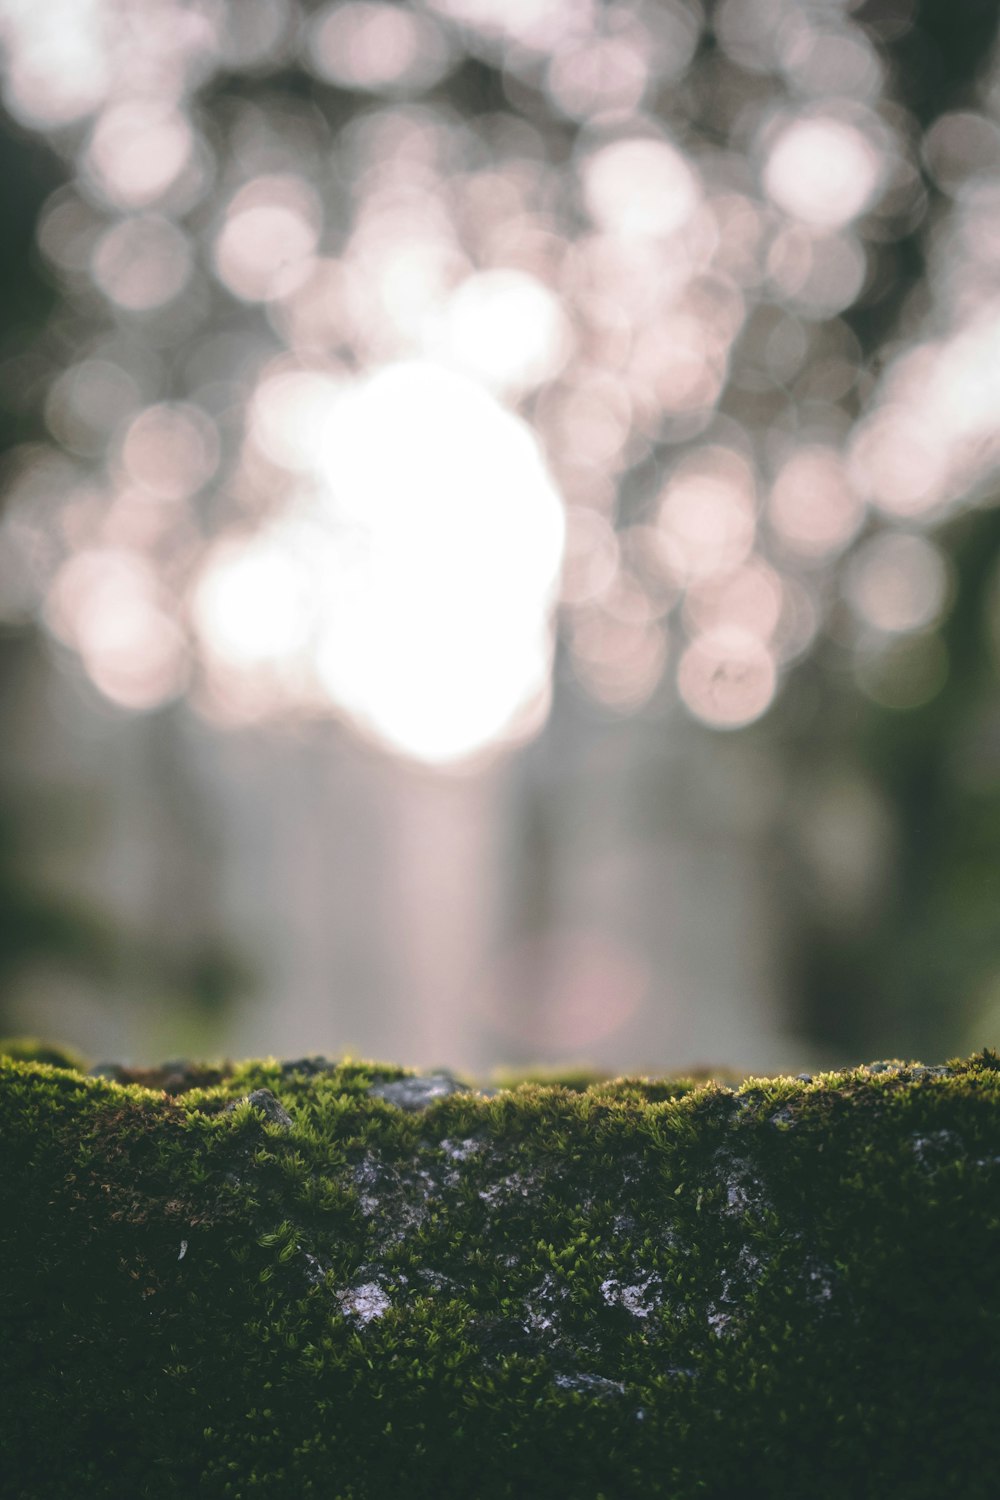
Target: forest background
(499, 554)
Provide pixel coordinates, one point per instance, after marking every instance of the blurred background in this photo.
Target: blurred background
(499, 548)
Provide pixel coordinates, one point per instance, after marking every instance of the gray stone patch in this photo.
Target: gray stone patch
(514, 1185)
(364, 1302)
(745, 1193)
(936, 1149)
(749, 1266)
(458, 1152)
(436, 1281)
(720, 1320)
(271, 1108)
(461, 1150)
(639, 1298)
(399, 1202)
(724, 1313)
(747, 1099)
(308, 1067)
(820, 1281)
(905, 1071)
(416, 1094)
(541, 1305)
(590, 1385)
(316, 1272)
(369, 1178)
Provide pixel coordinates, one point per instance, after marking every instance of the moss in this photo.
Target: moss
(31, 1049)
(277, 1280)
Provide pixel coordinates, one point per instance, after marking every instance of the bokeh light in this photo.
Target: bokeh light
(639, 188)
(897, 582)
(439, 634)
(813, 507)
(108, 605)
(727, 677)
(142, 262)
(377, 48)
(823, 170)
(904, 674)
(265, 246)
(136, 152)
(707, 514)
(507, 329)
(170, 450)
(395, 543)
(368, 348)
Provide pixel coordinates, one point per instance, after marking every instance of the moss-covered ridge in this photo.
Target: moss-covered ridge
(316, 1279)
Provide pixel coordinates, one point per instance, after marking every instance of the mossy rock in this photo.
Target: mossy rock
(335, 1280)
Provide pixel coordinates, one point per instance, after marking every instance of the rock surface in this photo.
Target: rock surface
(318, 1279)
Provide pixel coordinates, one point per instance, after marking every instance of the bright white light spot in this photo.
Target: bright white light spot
(412, 584)
(289, 416)
(935, 434)
(404, 274)
(640, 188)
(964, 380)
(540, 25)
(437, 633)
(56, 63)
(898, 582)
(823, 171)
(507, 329)
(251, 605)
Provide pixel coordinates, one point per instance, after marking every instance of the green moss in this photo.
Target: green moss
(275, 1280)
(31, 1049)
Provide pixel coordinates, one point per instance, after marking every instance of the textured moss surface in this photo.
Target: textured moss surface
(310, 1279)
